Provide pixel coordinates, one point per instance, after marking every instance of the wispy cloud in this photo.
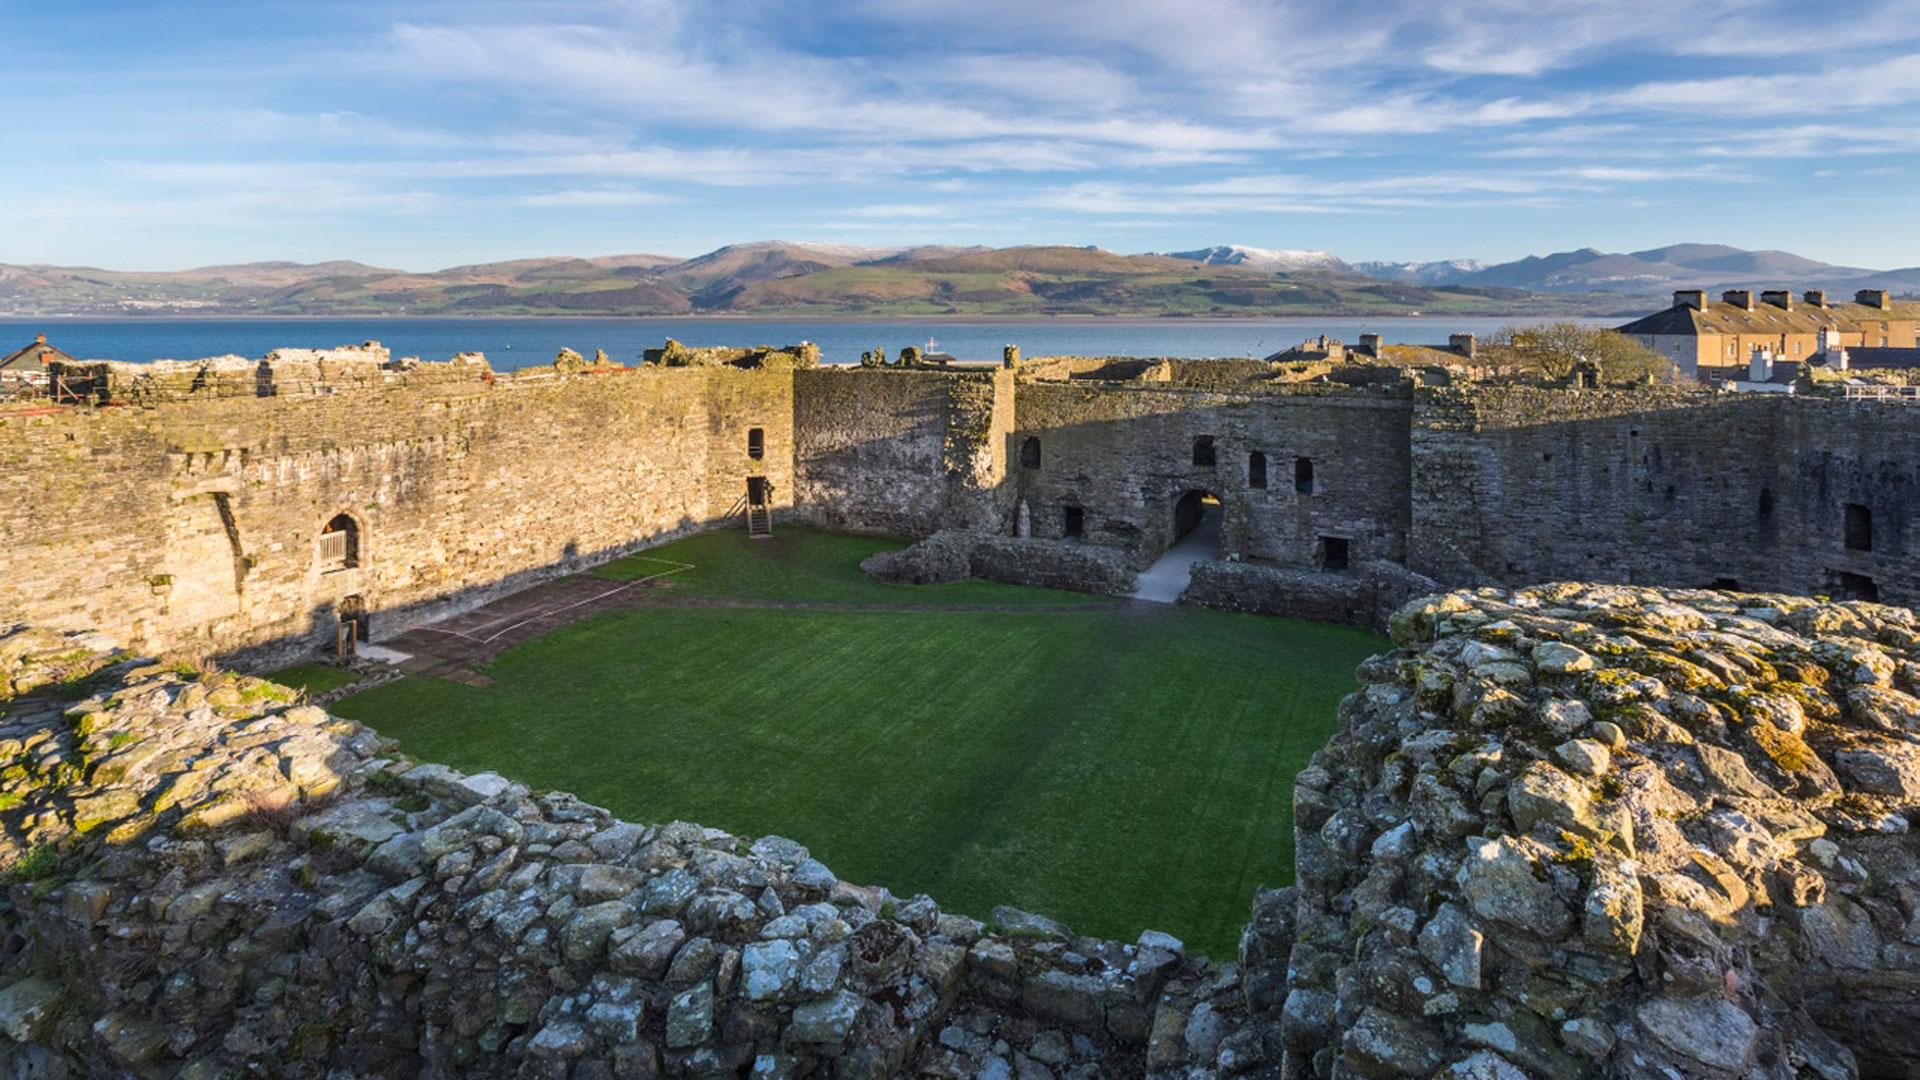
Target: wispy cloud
(498, 128)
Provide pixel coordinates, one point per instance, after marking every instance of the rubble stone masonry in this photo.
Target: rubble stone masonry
(184, 514)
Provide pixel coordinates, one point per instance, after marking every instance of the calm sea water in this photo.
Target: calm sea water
(523, 342)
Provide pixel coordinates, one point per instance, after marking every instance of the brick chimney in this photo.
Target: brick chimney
(1740, 298)
(1780, 298)
(1815, 297)
(1873, 298)
(1690, 298)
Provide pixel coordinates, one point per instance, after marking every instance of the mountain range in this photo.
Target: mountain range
(1650, 272)
(783, 278)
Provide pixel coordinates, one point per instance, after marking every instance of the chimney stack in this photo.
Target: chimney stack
(1464, 344)
(1873, 298)
(1690, 298)
(1370, 344)
(1815, 298)
(1780, 298)
(1740, 298)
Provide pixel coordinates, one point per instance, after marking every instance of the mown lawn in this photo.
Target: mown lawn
(1116, 767)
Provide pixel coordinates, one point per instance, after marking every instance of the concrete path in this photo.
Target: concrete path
(1166, 579)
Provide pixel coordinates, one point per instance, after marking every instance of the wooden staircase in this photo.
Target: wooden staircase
(759, 514)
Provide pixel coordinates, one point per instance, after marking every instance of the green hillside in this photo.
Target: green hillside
(767, 279)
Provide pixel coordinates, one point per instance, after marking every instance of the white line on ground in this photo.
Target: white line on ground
(678, 567)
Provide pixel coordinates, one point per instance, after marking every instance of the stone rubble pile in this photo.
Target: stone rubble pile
(201, 878)
(959, 554)
(1580, 830)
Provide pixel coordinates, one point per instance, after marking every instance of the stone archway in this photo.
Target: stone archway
(1196, 513)
(1193, 536)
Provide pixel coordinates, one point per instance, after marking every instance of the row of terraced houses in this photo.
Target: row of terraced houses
(1712, 341)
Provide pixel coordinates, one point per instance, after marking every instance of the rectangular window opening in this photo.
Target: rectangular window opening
(1334, 553)
(1859, 527)
(1203, 450)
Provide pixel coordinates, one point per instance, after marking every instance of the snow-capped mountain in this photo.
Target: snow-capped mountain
(1439, 272)
(1269, 259)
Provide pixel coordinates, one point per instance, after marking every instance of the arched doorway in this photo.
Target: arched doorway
(1194, 536)
(1197, 514)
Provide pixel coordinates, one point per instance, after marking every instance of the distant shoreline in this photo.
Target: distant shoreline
(1009, 320)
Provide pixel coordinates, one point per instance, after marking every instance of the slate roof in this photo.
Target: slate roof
(34, 357)
(1720, 317)
(1878, 357)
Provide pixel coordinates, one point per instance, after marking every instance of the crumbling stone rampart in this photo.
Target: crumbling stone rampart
(200, 878)
(956, 555)
(1582, 830)
(1365, 596)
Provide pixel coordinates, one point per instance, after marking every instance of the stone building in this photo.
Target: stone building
(1712, 340)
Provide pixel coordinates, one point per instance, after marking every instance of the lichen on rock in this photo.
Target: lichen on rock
(1580, 830)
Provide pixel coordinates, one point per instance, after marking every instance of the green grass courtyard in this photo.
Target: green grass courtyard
(1118, 767)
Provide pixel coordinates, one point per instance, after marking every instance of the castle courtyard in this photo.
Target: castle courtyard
(1119, 767)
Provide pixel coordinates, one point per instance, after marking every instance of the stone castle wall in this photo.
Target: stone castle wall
(903, 453)
(1125, 455)
(194, 526)
(1661, 487)
(191, 523)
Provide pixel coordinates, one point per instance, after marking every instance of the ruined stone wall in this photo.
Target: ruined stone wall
(1125, 455)
(1832, 453)
(899, 452)
(1562, 832)
(1517, 484)
(1670, 487)
(1582, 830)
(1364, 596)
(194, 526)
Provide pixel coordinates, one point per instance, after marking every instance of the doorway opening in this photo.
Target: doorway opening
(1073, 524)
(1851, 586)
(1197, 512)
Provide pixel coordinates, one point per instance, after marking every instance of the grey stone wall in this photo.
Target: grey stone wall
(957, 554)
(1364, 596)
(193, 526)
(1668, 487)
(1125, 456)
(901, 453)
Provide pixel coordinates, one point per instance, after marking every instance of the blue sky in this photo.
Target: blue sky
(423, 134)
